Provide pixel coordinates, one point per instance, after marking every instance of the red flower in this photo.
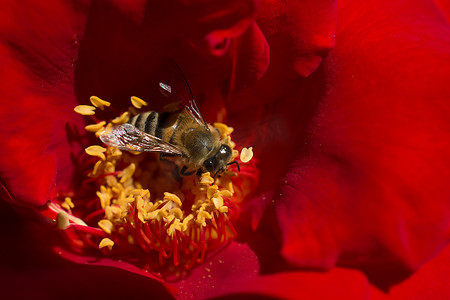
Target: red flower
(352, 142)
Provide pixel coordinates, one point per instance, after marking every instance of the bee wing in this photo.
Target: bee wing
(174, 85)
(127, 137)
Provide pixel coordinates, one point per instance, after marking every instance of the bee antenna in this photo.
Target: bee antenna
(235, 162)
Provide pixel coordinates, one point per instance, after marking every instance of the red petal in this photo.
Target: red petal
(429, 282)
(37, 99)
(303, 30)
(372, 189)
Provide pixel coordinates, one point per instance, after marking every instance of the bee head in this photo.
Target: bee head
(218, 163)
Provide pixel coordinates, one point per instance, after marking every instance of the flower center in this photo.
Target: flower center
(133, 200)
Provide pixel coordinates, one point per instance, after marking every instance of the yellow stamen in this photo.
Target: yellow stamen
(122, 119)
(97, 102)
(246, 154)
(172, 197)
(105, 196)
(95, 127)
(106, 225)
(206, 179)
(218, 202)
(223, 209)
(138, 102)
(224, 129)
(174, 226)
(127, 172)
(67, 204)
(106, 243)
(96, 151)
(62, 220)
(85, 110)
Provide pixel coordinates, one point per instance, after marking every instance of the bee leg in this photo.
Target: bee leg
(183, 171)
(176, 174)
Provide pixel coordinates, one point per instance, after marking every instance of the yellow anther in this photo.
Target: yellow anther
(108, 128)
(174, 226)
(67, 204)
(106, 243)
(184, 225)
(153, 215)
(110, 167)
(223, 209)
(224, 129)
(138, 102)
(96, 151)
(106, 225)
(226, 193)
(234, 154)
(133, 111)
(172, 197)
(97, 102)
(218, 202)
(202, 217)
(113, 152)
(85, 110)
(206, 179)
(229, 142)
(97, 168)
(122, 119)
(95, 127)
(113, 212)
(116, 211)
(142, 216)
(212, 190)
(246, 154)
(105, 198)
(111, 180)
(62, 220)
(141, 192)
(127, 172)
(155, 205)
(176, 212)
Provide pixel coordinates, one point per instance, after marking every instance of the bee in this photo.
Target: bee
(183, 133)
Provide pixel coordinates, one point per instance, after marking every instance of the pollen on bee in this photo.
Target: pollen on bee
(85, 110)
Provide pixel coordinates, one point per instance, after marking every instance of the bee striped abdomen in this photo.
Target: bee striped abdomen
(147, 122)
(159, 124)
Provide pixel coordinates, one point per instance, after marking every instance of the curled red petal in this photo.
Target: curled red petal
(304, 30)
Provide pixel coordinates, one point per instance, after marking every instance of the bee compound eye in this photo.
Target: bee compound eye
(208, 165)
(225, 150)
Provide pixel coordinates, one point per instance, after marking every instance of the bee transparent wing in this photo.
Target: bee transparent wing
(174, 85)
(129, 138)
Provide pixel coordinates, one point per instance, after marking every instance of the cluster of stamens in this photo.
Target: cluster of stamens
(139, 202)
